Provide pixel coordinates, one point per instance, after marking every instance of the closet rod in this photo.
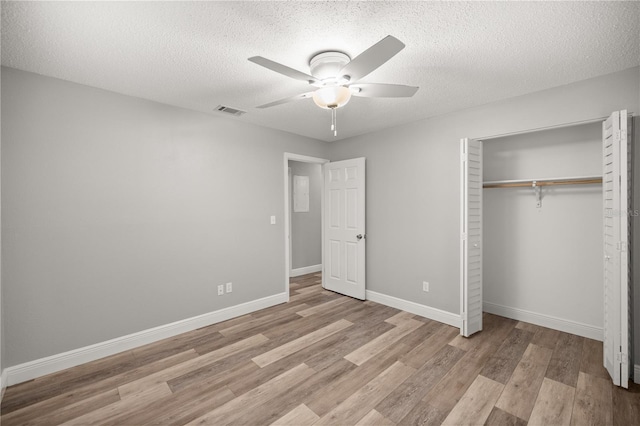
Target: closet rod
(585, 180)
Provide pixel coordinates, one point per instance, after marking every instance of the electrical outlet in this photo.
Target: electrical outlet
(273, 220)
(220, 290)
(425, 286)
(229, 287)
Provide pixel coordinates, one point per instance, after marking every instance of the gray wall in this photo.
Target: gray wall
(545, 260)
(306, 227)
(413, 182)
(121, 214)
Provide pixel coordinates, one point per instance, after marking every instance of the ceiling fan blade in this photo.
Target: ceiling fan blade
(372, 58)
(375, 90)
(286, 100)
(283, 69)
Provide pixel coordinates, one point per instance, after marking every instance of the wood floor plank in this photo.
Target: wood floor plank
(519, 394)
(425, 350)
(592, 359)
(361, 402)
(60, 400)
(374, 418)
(476, 404)
(192, 364)
(502, 363)
(424, 414)
(406, 396)
(208, 378)
(266, 373)
(299, 416)
(626, 405)
(377, 345)
(298, 393)
(233, 409)
(352, 338)
(502, 418)
(322, 307)
(68, 412)
(593, 403)
(553, 405)
(253, 322)
(400, 318)
(546, 337)
(327, 398)
(565, 361)
(454, 384)
(111, 411)
(300, 343)
(42, 388)
(179, 407)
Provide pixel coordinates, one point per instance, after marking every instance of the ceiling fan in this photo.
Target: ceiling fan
(335, 76)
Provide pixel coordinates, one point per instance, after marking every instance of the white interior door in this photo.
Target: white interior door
(344, 230)
(471, 237)
(615, 152)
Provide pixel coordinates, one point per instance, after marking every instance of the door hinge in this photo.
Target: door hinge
(464, 156)
(621, 246)
(465, 316)
(463, 236)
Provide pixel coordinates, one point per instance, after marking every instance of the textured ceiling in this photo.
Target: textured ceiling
(194, 54)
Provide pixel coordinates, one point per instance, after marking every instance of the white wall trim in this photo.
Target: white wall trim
(549, 321)
(305, 270)
(636, 374)
(40, 367)
(415, 308)
(3, 383)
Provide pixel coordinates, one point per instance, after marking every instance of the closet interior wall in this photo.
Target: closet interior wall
(545, 262)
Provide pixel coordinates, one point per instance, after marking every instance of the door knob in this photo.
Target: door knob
(359, 237)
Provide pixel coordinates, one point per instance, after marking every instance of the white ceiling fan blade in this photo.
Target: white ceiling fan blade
(286, 100)
(376, 90)
(372, 58)
(282, 69)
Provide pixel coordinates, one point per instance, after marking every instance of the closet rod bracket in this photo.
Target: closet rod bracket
(538, 193)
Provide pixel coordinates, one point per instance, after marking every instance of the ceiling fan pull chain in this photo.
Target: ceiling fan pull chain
(332, 120)
(335, 122)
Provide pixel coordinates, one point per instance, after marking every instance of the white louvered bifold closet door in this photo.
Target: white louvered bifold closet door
(471, 237)
(616, 172)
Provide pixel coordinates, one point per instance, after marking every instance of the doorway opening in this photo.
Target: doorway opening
(303, 213)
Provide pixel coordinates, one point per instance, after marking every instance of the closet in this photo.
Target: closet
(545, 232)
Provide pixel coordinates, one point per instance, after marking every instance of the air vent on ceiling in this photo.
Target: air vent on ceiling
(229, 110)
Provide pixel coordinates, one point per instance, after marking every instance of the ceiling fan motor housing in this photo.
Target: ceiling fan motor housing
(326, 67)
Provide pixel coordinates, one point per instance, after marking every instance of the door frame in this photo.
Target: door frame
(289, 156)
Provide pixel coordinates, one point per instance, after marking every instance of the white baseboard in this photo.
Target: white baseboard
(305, 270)
(3, 383)
(636, 374)
(415, 308)
(40, 367)
(568, 326)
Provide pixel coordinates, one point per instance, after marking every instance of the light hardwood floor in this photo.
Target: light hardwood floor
(331, 360)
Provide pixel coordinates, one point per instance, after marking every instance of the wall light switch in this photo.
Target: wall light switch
(273, 220)
(229, 287)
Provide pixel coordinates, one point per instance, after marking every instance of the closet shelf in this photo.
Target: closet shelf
(582, 180)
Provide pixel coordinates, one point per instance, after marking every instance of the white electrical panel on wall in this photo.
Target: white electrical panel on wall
(300, 194)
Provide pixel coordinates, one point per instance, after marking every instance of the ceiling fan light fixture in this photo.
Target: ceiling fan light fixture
(332, 97)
